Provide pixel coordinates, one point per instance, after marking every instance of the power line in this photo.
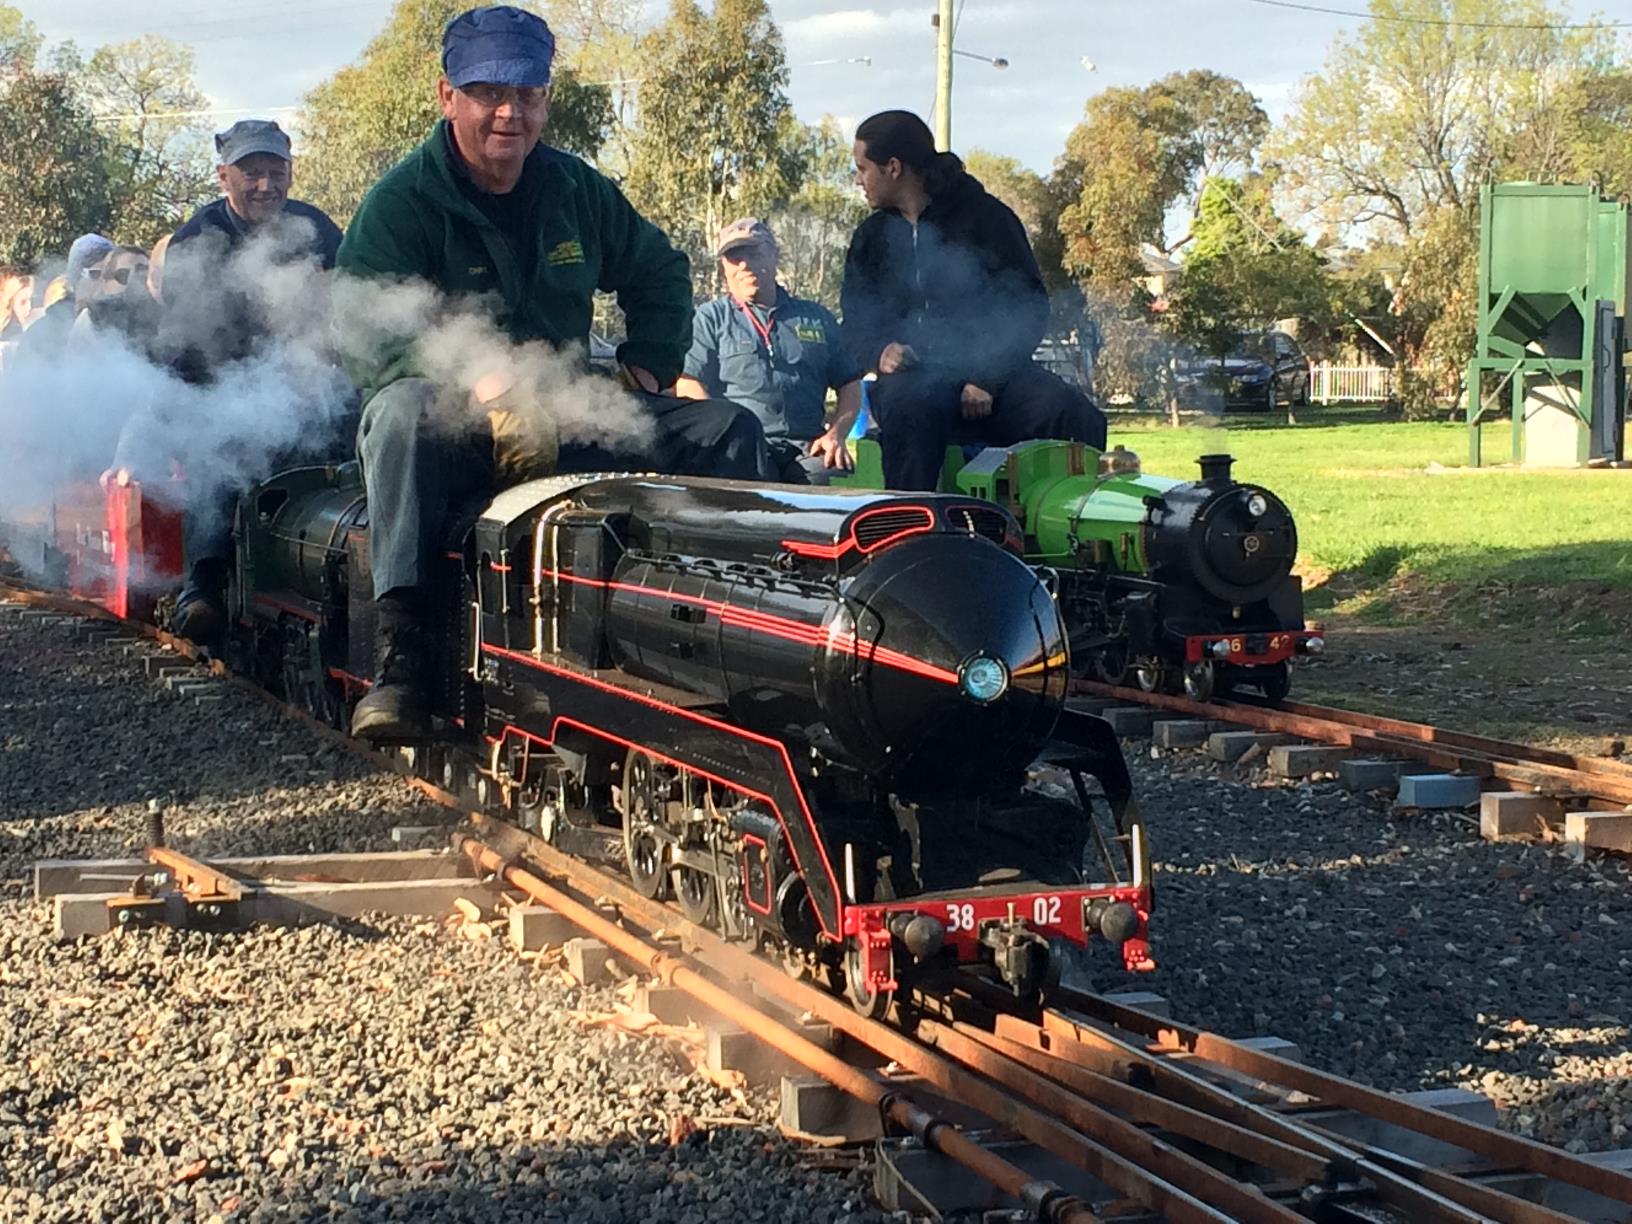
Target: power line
(192, 114)
(1448, 21)
(250, 16)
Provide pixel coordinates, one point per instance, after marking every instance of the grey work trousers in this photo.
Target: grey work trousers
(417, 471)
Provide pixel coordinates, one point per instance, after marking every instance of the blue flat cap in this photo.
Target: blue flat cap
(498, 45)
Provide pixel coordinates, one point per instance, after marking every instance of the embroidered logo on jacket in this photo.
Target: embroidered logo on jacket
(568, 252)
(811, 333)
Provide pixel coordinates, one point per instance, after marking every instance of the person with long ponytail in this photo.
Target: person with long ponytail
(943, 300)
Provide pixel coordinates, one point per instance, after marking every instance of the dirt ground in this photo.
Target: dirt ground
(1542, 665)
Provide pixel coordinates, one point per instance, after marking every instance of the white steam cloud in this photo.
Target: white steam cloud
(67, 408)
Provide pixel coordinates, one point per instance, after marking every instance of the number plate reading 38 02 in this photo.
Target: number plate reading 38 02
(1045, 911)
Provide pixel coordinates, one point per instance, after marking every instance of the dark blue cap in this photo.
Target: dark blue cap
(500, 45)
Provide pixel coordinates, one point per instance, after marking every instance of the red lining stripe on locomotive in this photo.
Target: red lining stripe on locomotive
(291, 609)
(832, 552)
(348, 680)
(755, 620)
(549, 742)
(716, 724)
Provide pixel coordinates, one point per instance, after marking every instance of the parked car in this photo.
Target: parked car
(1260, 373)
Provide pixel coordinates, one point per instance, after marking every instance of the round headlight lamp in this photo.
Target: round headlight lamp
(983, 679)
(1257, 503)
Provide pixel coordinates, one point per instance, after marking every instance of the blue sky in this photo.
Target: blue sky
(254, 54)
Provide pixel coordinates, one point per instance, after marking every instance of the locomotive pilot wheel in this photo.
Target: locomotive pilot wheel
(1276, 680)
(867, 1002)
(1110, 663)
(642, 847)
(1200, 678)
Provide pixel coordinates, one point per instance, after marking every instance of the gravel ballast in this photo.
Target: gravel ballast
(398, 1070)
(1398, 949)
(389, 1070)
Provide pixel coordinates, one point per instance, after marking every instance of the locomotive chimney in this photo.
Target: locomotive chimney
(1215, 469)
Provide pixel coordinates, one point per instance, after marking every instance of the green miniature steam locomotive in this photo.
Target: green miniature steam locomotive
(1172, 585)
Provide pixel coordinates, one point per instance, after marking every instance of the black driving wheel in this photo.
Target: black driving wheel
(642, 848)
(1110, 663)
(695, 892)
(1150, 674)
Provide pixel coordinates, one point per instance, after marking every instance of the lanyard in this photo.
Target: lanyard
(763, 330)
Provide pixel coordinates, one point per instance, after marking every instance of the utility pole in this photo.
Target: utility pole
(943, 77)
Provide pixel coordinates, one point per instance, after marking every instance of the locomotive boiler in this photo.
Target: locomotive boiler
(830, 721)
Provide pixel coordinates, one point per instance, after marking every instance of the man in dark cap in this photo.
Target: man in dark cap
(483, 211)
(759, 346)
(211, 319)
(255, 168)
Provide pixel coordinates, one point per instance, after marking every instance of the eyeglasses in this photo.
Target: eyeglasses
(120, 276)
(491, 97)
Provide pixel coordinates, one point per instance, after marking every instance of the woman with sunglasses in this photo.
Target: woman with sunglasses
(119, 302)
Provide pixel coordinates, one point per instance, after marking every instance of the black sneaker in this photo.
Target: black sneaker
(395, 709)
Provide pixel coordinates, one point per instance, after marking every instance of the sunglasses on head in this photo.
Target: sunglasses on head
(120, 276)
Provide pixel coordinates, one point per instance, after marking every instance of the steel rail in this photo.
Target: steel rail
(1498, 1147)
(941, 1073)
(1300, 1160)
(1244, 1202)
(1046, 1200)
(1435, 1195)
(1277, 1142)
(1399, 728)
(1043, 1199)
(1424, 1193)
(1077, 1051)
(1536, 769)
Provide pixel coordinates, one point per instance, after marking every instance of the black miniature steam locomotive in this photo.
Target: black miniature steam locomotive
(832, 722)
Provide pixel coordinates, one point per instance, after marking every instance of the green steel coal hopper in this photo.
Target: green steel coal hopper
(1553, 280)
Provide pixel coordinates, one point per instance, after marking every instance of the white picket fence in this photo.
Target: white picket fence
(1333, 384)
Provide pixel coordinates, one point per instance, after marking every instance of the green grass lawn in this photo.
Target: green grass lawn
(1370, 510)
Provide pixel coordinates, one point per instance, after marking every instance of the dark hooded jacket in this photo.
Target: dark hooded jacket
(964, 291)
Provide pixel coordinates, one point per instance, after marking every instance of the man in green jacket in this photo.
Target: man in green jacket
(482, 208)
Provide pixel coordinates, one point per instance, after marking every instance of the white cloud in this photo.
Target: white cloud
(826, 27)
